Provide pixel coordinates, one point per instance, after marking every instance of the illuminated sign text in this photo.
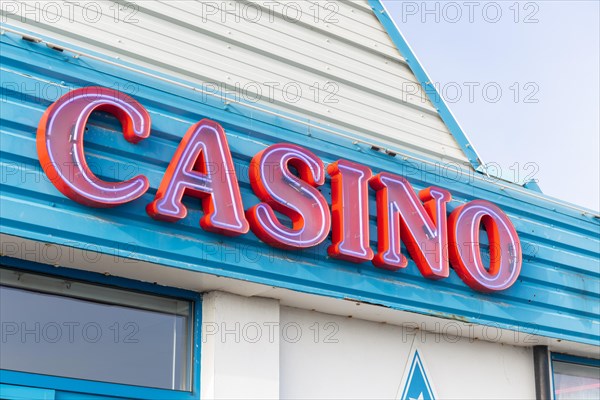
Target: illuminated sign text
(286, 179)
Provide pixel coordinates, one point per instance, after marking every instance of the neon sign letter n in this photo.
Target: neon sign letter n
(421, 227)
(202, 167)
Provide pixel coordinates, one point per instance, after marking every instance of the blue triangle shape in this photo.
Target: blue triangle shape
(417, 385)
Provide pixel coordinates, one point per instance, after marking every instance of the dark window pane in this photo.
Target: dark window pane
(72, 329)
(576, 381)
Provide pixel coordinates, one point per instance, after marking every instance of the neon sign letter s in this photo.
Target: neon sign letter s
(60, 145)
(281, 190)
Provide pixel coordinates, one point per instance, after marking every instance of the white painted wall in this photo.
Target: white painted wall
(273, 351)
(239, 358)
(361, 360)
(331, 62)
(369, 359)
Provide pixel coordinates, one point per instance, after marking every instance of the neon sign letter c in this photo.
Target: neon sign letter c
(60, 145)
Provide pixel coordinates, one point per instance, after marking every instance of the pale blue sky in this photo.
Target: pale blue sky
(553, 58)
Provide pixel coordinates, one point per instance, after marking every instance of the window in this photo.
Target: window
(62, 327)
(575, 378)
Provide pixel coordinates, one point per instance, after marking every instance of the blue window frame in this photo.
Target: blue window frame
(16, 382)
(575, 378)
(11, 392)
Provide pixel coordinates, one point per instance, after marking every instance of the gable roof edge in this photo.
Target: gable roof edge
(413, 63)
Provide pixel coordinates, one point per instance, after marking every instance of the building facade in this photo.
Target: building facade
(268, 200)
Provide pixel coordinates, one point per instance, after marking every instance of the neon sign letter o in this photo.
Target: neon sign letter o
(505, 248)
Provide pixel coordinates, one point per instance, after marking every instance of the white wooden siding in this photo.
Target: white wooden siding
(342, 48)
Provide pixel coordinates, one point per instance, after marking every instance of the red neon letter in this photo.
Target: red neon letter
(505, 248)
(202, 167)
(422, 228)
(350, 211)
(60, 145)
(295, 197)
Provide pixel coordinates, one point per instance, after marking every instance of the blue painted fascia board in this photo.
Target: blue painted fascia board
(415, 66)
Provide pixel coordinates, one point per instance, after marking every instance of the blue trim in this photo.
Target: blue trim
(552, 381)
(10, 392)
(415, 66)
(417, 363)
(567, 358)
(91, 387)
(81, 386)
(533, 185)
